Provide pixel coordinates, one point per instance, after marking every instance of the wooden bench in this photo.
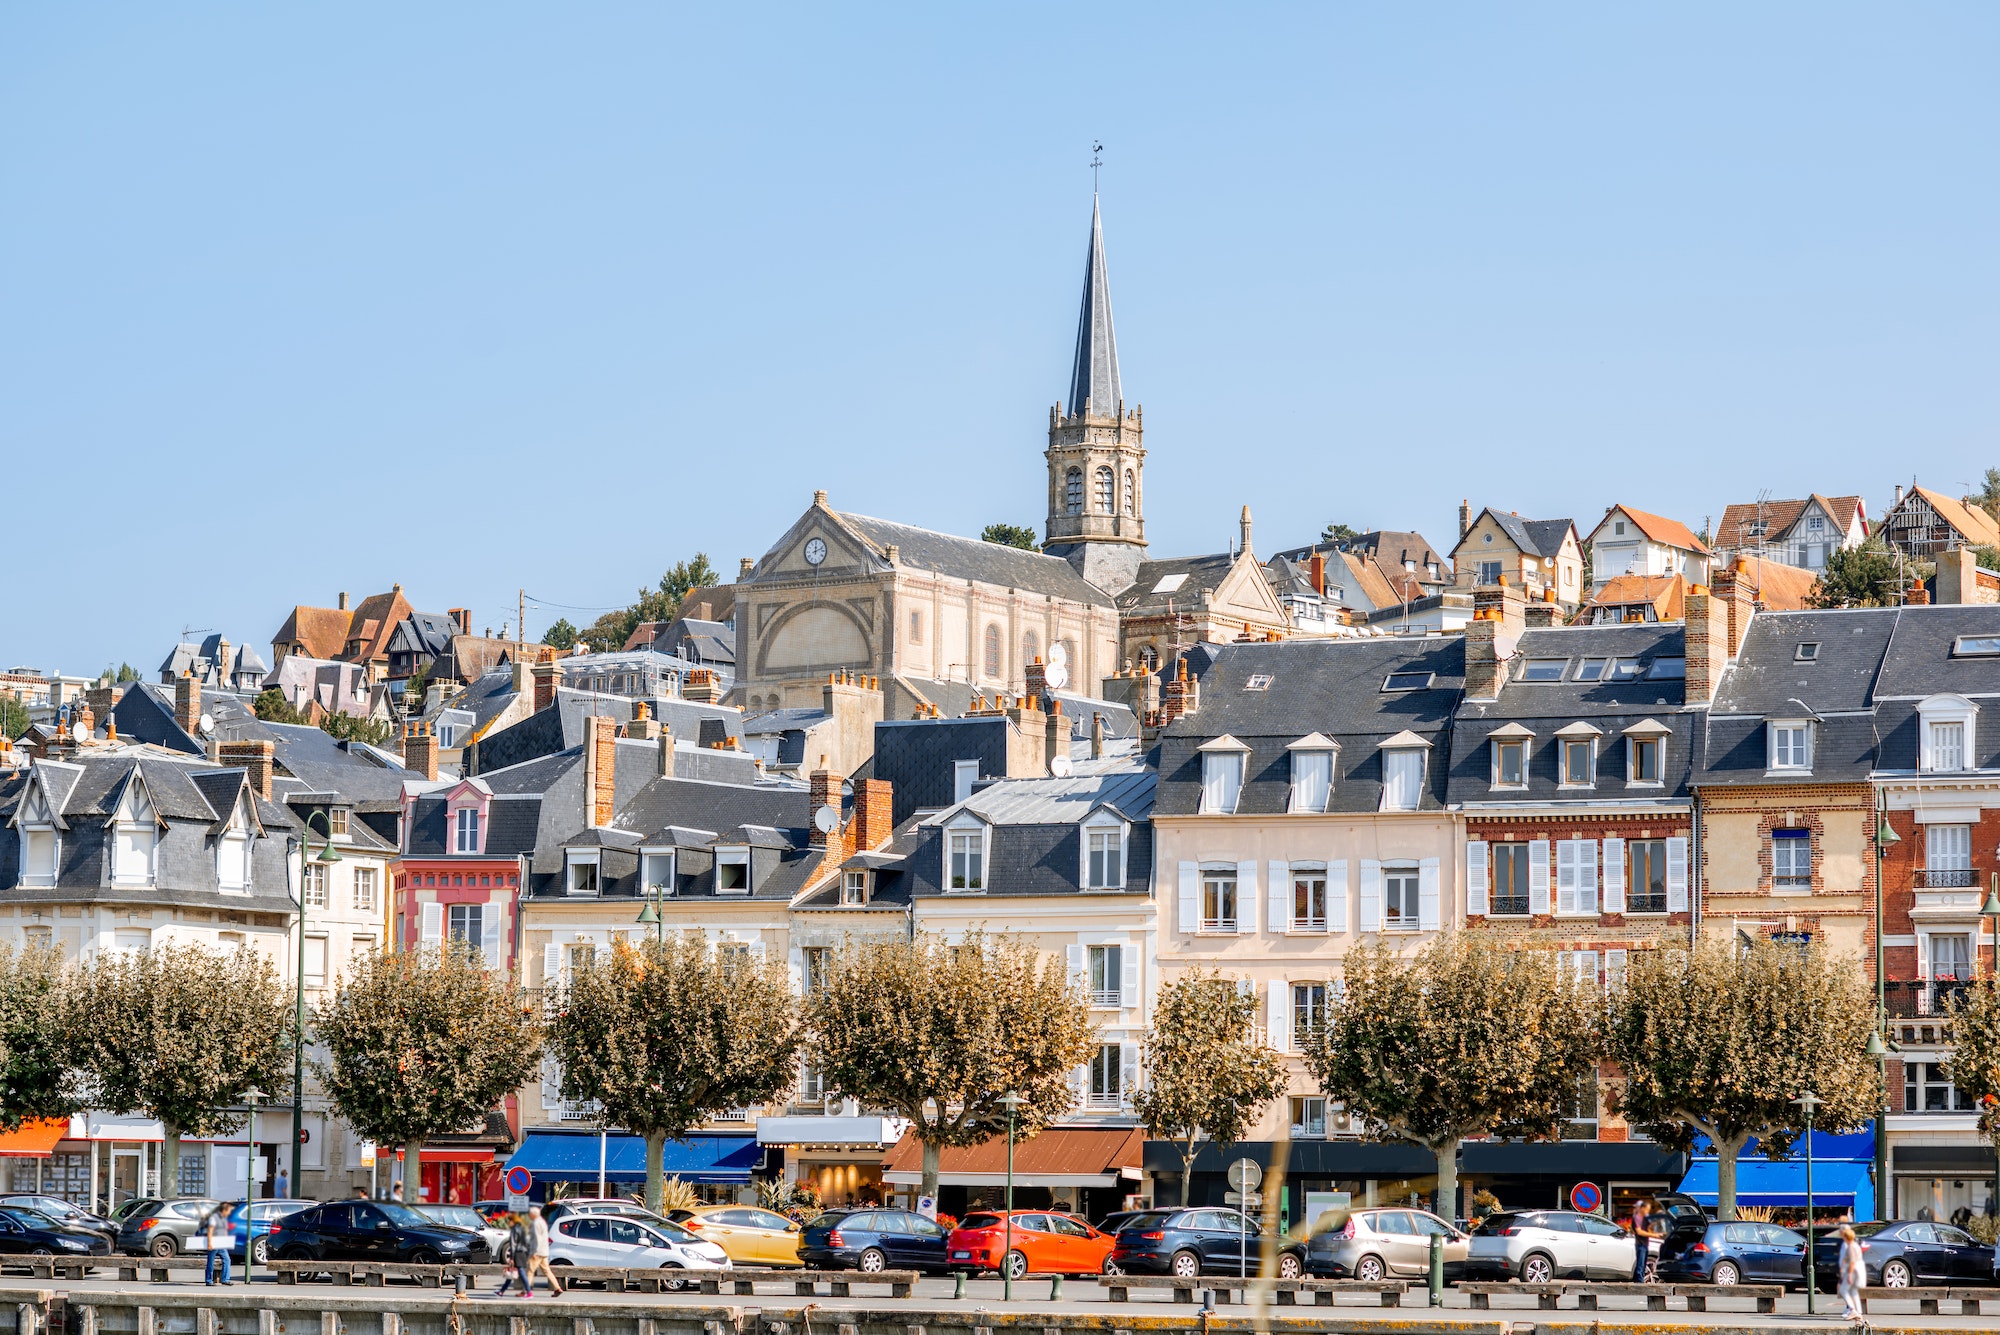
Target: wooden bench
(805, 1283)
(1284, 1292)
(1548, 1296)
(1927, 1299)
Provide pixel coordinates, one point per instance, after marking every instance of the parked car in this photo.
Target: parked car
(1201, 1241)
(1899, 1254)
(1731, 1253)
(1379, 1243)
(610, 1239)
(1116, 1220)
(371, 1231)
(262, 1214)
(617, 1205)
(1536, 1246)
(155, 1227)
(466, 1217)
(64, 1213)
(750, 1235)
(876, 1238)
(25, 1232)
(1042, 1242)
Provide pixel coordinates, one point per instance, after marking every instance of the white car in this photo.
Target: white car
(464, 1216)
(611, 1240)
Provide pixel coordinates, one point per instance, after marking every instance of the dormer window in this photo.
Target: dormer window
(135, 838)
(1791, 744)
(1222, 761)
(1103, 835)
(581, 872)
(1945, 744)
(336, 821)
(965, 854)
(1510, 756)
(1645, 752)
(853, 889)
(465, 830)
(1312, 773)
(732, 871)
(232, 855)
(1578, 755)
(656, 871)
(1404, 759)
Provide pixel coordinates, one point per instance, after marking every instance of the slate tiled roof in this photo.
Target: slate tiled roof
(1035, 847)
(1536, 537)
(1179, 581)
(985, 562)
(916, 757)
(1769, 681)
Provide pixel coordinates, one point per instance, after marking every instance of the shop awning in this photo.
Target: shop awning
(1837, 1184)
(1594, 1159)
(34, 1140)
(452, 1154)
(571, 1156)
(1058, 1157)
(842, 1132)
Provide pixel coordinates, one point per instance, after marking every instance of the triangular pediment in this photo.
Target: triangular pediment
(846, 553)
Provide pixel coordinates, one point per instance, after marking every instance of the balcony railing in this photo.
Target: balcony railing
(1948, 879)
(1505, 906)
(1923, 996)
(1647, 902)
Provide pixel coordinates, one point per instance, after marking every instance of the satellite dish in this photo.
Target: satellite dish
(1057, 672)
(207, 723)
(1059, 766)
(825, 820)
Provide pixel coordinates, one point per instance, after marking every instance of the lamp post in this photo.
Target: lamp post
(1810, 1102)
(250, 1097)
(1012, 1102)
(1878, 1045)
(651, 915)
(1991, 909)
(326, 858)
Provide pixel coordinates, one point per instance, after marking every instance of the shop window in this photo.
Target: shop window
(194, 1171)
(1308, 1117)
(1926, 1088)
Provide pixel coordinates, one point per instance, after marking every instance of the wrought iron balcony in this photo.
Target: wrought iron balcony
(1923, 996)
(1947, 879)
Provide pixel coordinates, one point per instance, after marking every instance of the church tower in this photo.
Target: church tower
(1097, 463)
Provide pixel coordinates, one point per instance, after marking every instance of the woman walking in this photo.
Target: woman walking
(1853, 1273)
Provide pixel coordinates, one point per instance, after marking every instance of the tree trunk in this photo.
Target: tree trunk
(170, 1162)
(656, 1155)
(1445, 1204)
(931, 1155)
(413, 1173)
(1725, 1175)
(1187, 1180)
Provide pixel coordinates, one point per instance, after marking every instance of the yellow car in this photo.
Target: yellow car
(751, 1236)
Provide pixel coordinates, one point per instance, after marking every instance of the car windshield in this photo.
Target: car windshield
(402, 1216)
(31, 1218)
(458, 1216)
(671, 1232)
(1869, 1230)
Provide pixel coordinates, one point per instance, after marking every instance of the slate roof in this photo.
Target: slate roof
(1093, 376)
(1918, 664)
(916, 757)
(1198, 575)
(560, 727)
(970, 558)
(145, 713)
(1769, 681)
(426, 633)
(1536, 537)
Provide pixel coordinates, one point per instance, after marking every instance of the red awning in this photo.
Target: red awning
(455, 1155)
(1057, 1157)
(35, 1140)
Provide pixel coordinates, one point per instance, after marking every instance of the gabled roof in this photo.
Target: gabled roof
(1669, 532)
(1739, 520)
(1775, 586)
(1666, 593)
(974, 559)
(1179, 580)
(422, 633)
(1536, 537)
(1972, 523)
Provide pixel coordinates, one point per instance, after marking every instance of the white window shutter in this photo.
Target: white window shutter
(1565, 876)
(1079, 1084)
(795, 965)
(1277, 1013)
(1677, 875)
(757, 950)
(1586, 876)
(1336, 895)
(1246, 898)
(1538, 876)
(1477, 901)
(551, 964)
(1371, 896)
(1614, 875)
(1128, 984)
(1427, 895)
(1190, 897)
(1586, 967)
(1077, 959)
(1128, 1071)
(432, 924)
(489, 932)
(1279, 909)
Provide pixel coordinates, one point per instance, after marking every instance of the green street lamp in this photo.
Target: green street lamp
(1012, 1102)
(1810, 1102)
(1991, 909)
(326, 858)
(1885, 838)
(250, 1100)
(650, 916)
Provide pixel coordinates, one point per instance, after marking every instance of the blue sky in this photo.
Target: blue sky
(302, 299)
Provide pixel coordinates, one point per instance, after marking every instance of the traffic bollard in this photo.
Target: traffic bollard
(958, 1283)
(1055, 1288)
(1437, 1270)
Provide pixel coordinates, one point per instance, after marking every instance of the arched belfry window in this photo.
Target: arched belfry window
(1073, 491)
(1104, 491)
(1131, 491)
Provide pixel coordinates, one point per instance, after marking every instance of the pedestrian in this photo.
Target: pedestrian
(361, 1193)
(1643, 1234)
(518, 1255)
(284, 1185)
(538, 1259)
(1853, 1272)
(218, 1236)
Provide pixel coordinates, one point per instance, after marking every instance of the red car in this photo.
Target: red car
(1044, 1243)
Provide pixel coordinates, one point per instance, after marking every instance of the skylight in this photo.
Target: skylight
(1625, 669)
(1168, 583)
(1407, 681)
(1806, 653)
(1667, 669)
(1592, 669)
(1976, 646)
(1259, 681)
(1544, 669)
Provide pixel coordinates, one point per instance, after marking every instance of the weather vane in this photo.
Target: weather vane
(1096, 161)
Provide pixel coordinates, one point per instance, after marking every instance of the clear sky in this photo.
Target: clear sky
(297, 299)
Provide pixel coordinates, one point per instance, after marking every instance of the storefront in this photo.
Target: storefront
(1601, 1176)
(28, 1162)
(1090, 1171)
(1937, 1181)
(568, 1162)
(1319, 1174)
(1843, 1178)
(840, 1158)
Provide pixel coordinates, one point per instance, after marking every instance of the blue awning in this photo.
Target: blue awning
(571, 1156)
(1837, 1184)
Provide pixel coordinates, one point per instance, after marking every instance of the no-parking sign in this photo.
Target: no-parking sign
(519, 1179)
(1586, 1197)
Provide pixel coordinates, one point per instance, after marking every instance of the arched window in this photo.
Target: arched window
(1104, 491)
(1131, 491)
(992, 651)
(1073, 491)
(1031, 648)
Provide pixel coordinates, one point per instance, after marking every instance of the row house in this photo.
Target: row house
(1542, 557)
(1629, 542)
(1800, 533)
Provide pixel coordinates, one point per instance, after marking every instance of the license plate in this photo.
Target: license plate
(961, 1256)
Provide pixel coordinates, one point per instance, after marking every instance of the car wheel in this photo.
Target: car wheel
(675, 1283)
(1725, 1272)
(1185, 1265)
(873, 1261)
(1016, 1265)
(41, 1253)
(1537, 1269)
(164, 1245)
(1289, 1266)
(1895, 1275)
(424, 1256)
(261, 1253)
(1110, 1266)
(1369, 1268)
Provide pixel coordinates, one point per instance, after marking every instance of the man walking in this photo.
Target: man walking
(1643, 1234)
(216, 1234)
(538, 1260)
(518, 1256)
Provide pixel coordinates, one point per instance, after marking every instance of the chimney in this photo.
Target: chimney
(1707, 643)
(520, 669)
(1486, 649)
(545, 685)
(187, 703)
(1464, 517)
(1245, 522)
(600, 770)
(744, 566)
(699, 687)
(1097, 736)
(1958, 578)
(462, 617)
(1732, 589)
(420, 752)
(1038, 681)
(255, 758)
(1316, 572)
(643, 727)
(1503, 603)
(825, 793)
(86, 722)
(1181, 694)
(222, 674)
(1918, 596)
(1055, 740)
(1899, 496)
(343, 602)
(666, 763)
(874, 821)
(1543, 612)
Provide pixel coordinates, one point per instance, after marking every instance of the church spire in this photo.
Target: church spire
(1094, 380)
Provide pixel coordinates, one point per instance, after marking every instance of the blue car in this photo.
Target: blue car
(1202, 1241)
(874, 1238)
(262, 1213)
(1738, 1252)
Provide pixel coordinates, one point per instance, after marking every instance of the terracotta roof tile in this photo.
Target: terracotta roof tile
(1079, 1151)
(1669, 531)
(1779, 587)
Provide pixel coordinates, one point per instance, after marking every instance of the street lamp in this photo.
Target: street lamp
(1810, 1102)
(250, 1098)
(1885, 836)
(327, 857)
(1991, 909)
(1012, 1102)
(651, 915)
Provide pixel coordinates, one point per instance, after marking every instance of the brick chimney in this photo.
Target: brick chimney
(1918, 595)
(84, 722)
(600, 770)
(546, 675)
(1055, 741)
(1180, 695)
(1504, 603)
(643, 727)
(666, 761)
(343, 602)
(1464, 517)
(223, 677)
(1543, 612)
(1097, 736)
(420, 750)
(255, 757)
(1316, 572)
(744, 566)
(699, 687)
(462, 618)
(1707, 643)
(874, 821)
(824, 792)
(187, 703)
(1732, 588)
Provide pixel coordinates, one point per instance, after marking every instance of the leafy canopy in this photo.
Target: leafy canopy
(272, 707)
(1207, 1071)
(1338, 533)
(562, 635)
(611, 630)
(1862, 576)
(1010, 535)
(38, 1078)
(1975, 1062)
(14, 717)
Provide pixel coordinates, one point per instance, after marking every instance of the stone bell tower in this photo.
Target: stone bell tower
(1097, 461)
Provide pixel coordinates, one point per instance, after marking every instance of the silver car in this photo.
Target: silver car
(1536, 1246)
(1380, 1242)
(614, 1240)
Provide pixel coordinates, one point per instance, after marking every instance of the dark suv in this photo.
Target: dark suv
(1205, 1240)
(372, 1231)
(875, 1238)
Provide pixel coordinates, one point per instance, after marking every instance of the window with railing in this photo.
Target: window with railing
(1308, 1013)
(1107, 975)
(1509, 870)
(1308, 901)
(1218, 901)
(1106, 1076)
(1950, 957)
(1647, 859)
(1948, 857)
(1791, 859)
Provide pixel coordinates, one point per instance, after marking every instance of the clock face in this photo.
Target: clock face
(815, 551)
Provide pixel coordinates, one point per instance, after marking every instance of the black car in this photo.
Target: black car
(371, 1231)
(1205, 1240)
(1111, 1223)
(63, 1212)
(874, 1238)
(25, 1232)
(1736, 1252)
(1900, 1254)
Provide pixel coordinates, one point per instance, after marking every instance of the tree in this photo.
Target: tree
(423, 1043)
(1011, 535)
(348, 728)
(1987, 498)
(38, 1076)
(1867, 575)
(1207, 1072)
(1471, 1037)
(272, 707)
(668, 1034)
(1720, 1040)
(14, 717)
(179, 1032)
(611, 630)
(562, 635)
(939, 1032)
(1338, 533)
(121, 674)
(1974, 1067)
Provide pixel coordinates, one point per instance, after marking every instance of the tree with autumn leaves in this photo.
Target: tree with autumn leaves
(1974, 1067)
(667, 1034)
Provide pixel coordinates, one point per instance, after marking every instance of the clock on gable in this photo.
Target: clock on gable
(815, 551)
